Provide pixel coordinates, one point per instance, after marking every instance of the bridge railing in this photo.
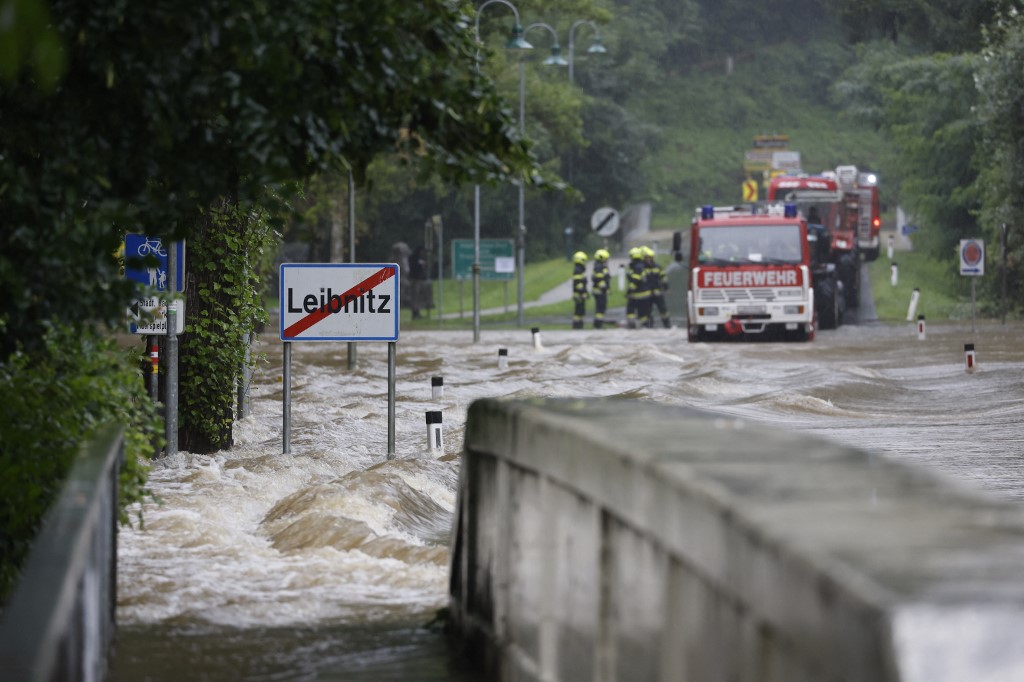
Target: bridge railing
(600, 540)
(59, 623)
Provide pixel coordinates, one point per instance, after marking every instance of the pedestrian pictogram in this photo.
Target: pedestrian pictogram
(138, 247)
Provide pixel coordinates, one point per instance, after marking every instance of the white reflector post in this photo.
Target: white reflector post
(920, 328)
(536, 338)
(436, 387)
(503, 358)
(434, 439)
(913, 304)
(969, 356)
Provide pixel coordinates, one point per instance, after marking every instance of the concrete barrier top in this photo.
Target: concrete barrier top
(939, 562)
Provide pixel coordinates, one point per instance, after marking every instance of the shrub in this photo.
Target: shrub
(50, 403)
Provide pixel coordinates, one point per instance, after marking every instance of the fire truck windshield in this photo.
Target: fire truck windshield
(774, 244)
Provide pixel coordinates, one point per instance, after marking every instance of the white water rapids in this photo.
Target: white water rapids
(328, 563)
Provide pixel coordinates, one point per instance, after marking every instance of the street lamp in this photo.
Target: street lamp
(555, 59)
(517, 42)
(595, 48)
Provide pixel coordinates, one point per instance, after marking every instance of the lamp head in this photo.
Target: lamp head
(517, 42)
(556, 58)
(596, 47)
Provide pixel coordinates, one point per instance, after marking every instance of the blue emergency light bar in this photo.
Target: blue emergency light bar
(707, 212)
(790, 211)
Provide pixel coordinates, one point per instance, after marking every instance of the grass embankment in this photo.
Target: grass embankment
(538, 279)
(944, 293)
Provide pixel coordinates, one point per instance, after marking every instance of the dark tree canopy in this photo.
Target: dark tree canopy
(931, 25)
(166, 106)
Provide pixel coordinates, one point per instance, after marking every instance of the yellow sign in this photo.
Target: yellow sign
(749, 190)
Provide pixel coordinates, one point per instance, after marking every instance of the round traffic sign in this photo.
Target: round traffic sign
(605, 221)
(971, 253)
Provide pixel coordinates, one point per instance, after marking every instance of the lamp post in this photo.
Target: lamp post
(555, 59)
(595, 48)
(517, 42)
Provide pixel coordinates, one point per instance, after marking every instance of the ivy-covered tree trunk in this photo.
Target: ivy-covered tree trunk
(221, 308)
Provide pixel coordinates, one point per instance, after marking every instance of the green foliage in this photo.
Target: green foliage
(926, 106)
(944, 293)
(933, 25)
(52, 400)
(709, 118)
(27, 39)
(226, 286)
(168, 106)
(1001, 110)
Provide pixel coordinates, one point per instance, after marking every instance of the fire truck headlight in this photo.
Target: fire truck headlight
(842, 244)
(793, 310)
(709, 311)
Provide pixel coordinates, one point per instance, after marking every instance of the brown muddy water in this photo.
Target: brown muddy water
(331, 563)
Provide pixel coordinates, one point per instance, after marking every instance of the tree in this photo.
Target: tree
(931, 25)
(170, 106)
(169, 109)
(1001, 111)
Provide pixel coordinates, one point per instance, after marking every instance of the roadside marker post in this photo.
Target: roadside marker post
(339, 302)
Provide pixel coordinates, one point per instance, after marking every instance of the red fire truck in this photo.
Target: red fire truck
(864, 186)
(750, 274)
(820, 200)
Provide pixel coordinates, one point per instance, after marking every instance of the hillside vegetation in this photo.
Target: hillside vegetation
(709, 119)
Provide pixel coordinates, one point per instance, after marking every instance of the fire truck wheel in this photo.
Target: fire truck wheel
(827, 300)
(848, 270)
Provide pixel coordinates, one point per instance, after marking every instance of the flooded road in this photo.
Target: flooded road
(330, 563)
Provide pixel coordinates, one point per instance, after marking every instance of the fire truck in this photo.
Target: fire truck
(821, 201)
(860, 189)
(750, 274)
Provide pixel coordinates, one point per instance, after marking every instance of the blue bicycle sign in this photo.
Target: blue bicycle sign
(138, 246)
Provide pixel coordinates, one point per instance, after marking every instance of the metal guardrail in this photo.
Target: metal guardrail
(60, 622)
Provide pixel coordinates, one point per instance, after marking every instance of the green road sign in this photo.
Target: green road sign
(497, 258)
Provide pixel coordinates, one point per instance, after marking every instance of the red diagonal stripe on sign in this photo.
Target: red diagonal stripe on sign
(324, 310)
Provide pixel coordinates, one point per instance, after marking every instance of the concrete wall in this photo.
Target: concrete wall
(612, 540)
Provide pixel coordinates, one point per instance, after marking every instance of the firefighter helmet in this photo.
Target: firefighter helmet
(648, 252)
(580, 257)
(601, 254)
(636, 252)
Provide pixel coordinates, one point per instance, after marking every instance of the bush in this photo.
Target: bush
(50, 403)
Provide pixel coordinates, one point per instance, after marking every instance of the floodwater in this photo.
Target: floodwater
(331, 563)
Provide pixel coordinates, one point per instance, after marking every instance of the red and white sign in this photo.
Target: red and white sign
(750, 278)
(339, 302)
(972, 257)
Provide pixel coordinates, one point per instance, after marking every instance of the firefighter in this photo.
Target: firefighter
(599, 279)
(638, 301)
(657, 284)
(579, 288)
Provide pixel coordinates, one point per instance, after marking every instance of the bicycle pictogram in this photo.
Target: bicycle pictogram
(152, 246)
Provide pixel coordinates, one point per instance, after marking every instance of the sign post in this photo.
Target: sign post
(171, 398)
(339, 302)
(972, 264)
(154, 316)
